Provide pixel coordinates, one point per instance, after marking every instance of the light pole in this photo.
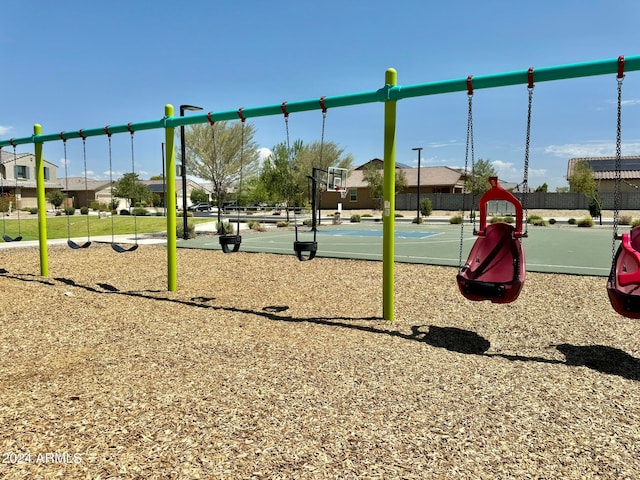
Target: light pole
(183, 171)
(419, 149)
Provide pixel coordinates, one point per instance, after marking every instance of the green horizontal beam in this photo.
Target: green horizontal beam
(387, 93)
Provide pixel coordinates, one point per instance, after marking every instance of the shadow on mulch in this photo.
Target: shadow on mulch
(602, 358)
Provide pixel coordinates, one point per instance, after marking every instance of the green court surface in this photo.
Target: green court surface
(552, 249)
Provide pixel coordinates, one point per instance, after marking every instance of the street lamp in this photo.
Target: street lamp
(183, 171)
(419, 149)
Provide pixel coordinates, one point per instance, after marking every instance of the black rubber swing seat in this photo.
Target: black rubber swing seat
(121, 249)
(305, 250)
(75, 246)
(7, 238)
(230, 243)
(495, 269)
(623, 286)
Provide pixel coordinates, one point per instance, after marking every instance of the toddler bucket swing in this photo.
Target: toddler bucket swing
(495, 269)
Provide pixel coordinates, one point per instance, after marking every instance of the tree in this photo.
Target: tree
(562, 189)
(228, 162)
(279, 174)
(56, 198)
(130, 188)
(375, 179)
(156, 177)
(478, 182)
(198, 195)
(542, 188)
(582, 180)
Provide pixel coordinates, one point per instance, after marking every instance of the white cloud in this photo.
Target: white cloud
(263, 153)
(65, 161)
(571, 150)
(5, 130)
(630, 103)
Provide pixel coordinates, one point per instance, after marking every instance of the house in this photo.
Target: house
(18, 177)
(604, 172)
(432, 180)
(81, 194)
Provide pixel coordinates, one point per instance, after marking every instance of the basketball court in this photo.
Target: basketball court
(552, 249)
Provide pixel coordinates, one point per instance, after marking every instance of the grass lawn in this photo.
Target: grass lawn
(58, 227)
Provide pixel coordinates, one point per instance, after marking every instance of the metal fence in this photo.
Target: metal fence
(535, 200)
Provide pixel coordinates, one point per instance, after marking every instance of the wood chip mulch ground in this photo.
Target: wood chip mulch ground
(263, 367)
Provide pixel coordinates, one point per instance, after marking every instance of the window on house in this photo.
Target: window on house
(47, 174)
(353, 194)
(21, 172)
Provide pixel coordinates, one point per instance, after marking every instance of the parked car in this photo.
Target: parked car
(202, 207)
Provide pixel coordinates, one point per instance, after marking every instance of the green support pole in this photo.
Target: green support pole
(42, 204)
(170, 202)
(389, 198)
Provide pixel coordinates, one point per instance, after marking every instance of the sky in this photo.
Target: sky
(75, 65)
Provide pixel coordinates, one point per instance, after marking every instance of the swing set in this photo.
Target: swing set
(495, 267)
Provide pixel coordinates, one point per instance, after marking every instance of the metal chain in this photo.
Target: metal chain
(617, 195)
(525, 180)
(469, 143)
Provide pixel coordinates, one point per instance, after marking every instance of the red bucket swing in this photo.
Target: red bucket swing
(623, 284)
(495, 269)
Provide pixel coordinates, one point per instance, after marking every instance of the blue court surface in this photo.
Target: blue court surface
(553, 249)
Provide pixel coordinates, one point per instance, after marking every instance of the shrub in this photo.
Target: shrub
(282, 223)
(625, 220)
(33, 211)
(552, 221)
(417, 220)
(425, 207)
(455, 220)
(397, 215)
(539, 222)
(586, 222)
(533, 218)
(495, 219)
(307, 223)
(58, 213)
(224, 228)
(255, 225)
(571, 221)
(367, 215)
(191, 230)
(70, 211)
(635, 223)
(84, 210)
(355, 218)
(509, 219)
(140, 212)
(124, 211)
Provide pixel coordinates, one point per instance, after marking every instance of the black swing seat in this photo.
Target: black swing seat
(230, 243)
(305, 250)
(495, 269)
(75, 246)
(7, 238)
(623, 286)
(121, 249)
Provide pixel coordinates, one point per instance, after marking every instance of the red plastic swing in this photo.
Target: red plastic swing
(623, 285)
(495, 269)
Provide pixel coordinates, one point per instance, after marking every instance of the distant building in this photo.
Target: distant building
(604, 172)
(18, 177)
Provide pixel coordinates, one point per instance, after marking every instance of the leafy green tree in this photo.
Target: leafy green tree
(199, 195)
(478, 182)
(156, 177)
(562, 189)
(542, 188)
(375, 180)
(226, 164)
(583, 180)
(130, 188)
(56, 198)
(279, 174)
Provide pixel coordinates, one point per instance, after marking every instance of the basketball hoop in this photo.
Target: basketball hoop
(343, 191)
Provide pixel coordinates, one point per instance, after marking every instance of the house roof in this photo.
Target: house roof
(7, 157)
(429, 176)
(604, 168)
(77, 183)
(379, 163)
